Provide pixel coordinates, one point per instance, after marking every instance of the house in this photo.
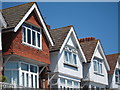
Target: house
(95, 70)
(25, 42)
(66, 59)
(114, 73)
(2, 24)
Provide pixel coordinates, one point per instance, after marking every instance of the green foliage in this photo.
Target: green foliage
(4, 79)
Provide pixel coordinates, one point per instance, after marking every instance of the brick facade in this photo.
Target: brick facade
(12, 44)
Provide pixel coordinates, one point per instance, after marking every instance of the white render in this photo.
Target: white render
(58, 67)
(112, 83)
(90, 77)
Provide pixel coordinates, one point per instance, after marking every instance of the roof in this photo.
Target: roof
(112, 61)
(13, 15)
(59, 36)
(88, 47)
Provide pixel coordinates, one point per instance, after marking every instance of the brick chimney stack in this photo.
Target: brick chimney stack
(86, 39)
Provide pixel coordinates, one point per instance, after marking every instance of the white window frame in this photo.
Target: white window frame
(69, 50)
(20, 71)
(99, 69)
(32, 30)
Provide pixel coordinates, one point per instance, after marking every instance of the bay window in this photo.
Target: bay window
(22, 74)
(97, 63)
(31, 36)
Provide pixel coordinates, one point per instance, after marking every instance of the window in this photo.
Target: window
(31, 36)
(62, 80)
(70, 57)
(117, 75)
(21, 73)
(69, 82)
(76, 84)
(97, 63)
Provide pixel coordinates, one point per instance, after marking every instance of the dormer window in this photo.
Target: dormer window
(97, 63)
(32, 36)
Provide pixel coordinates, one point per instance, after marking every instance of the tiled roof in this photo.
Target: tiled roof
(88, 46)
(59, 36)
(112, 61)
(13, 15)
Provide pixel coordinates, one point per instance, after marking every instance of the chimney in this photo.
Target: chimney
(86, 39)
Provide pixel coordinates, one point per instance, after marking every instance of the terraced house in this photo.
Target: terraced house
(25, 43)
(114, 73)
(34, 56)
(95, 70)
(66, 59)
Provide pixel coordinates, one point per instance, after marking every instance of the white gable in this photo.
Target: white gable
(97, 54)
(71, 42)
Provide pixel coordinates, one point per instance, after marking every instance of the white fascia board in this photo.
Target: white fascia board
(65, 41)
(41, 19)
(101, 50)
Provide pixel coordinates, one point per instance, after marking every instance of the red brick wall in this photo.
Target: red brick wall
(12, 43)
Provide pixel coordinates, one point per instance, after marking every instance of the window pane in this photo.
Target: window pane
(11, 65)
(23, 78)
(36, 29)
(15, 77)
(35, 81)
(32, 80)
(62, 80)
(33, 69)
(70, 59)
(8, 74)
(38, 38)
(69, 82)
(24, 34)
(33, 38)
(95, 65)
(29, 36)
(116, 72)
(76, 84)
(74, 57)
(101, 68)
(27, 78)
(116, 79)
(24, 66)
(66, 56)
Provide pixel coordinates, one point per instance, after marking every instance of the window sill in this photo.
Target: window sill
(71, 65)
(98, 74)
(31, 46)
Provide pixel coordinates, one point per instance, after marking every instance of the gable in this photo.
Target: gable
(72, 40)
(101, 55)
(16, 16)
(112, 60)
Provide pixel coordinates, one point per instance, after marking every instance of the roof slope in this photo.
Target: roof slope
(88, 46)
(13, 15)
(59, 36)
(112, 61)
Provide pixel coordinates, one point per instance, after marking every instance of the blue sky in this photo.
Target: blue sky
(90, 19)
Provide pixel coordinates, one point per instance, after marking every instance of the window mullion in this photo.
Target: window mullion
(26, 29)
(36, 39)
(31, 37)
